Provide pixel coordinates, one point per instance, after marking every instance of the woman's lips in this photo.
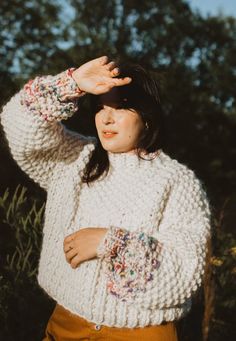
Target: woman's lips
(108, 134)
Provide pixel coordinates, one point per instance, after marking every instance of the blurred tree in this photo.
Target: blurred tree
(29, 33)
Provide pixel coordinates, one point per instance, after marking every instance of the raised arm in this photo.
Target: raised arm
(163, 271)
(31, 120)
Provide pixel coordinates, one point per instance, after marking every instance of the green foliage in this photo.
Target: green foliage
(27, 232)
(29, 32)
(28, 25)
(24, 308)
(223, 264)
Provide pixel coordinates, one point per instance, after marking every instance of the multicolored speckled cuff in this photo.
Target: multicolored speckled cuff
(52, 97)
(129, 260)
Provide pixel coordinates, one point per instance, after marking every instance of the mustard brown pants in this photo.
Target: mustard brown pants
(65, 326)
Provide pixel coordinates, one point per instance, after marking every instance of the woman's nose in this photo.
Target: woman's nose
(107, 116)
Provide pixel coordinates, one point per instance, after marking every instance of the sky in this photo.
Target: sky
(211, 7)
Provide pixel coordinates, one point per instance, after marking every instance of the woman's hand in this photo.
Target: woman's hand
(96, 76)
(82, 245)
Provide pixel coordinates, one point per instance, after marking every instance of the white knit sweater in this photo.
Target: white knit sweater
(152, 259)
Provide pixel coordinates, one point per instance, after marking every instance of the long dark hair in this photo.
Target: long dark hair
(141, 95)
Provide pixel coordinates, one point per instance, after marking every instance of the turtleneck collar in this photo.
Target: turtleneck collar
(131, 159)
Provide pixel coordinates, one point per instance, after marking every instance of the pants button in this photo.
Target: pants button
(97, 327)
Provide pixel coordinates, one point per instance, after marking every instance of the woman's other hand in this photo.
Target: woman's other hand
(97, 76)
(82, 245)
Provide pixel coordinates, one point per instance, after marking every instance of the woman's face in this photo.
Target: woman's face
(118, 129)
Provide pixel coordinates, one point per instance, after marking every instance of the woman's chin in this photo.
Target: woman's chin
(112, 150)
(118, 150)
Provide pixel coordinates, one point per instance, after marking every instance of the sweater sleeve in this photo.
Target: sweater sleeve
(164, 271)
(31, 123)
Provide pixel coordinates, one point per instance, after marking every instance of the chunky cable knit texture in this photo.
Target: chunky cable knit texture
(152, 258)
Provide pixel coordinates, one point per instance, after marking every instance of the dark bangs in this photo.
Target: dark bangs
(139, 95)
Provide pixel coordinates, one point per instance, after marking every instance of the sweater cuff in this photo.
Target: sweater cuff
(130, 261)
(52, 97)
(66, 87)
(111, 242)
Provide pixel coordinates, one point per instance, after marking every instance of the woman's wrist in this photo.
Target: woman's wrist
(68, 87)
(74, 74)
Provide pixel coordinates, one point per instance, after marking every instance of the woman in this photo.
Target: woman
(126, 226)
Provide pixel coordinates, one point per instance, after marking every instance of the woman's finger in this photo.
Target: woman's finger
(68, 247)
(69, 238)
(75, 261)
(71, 254)
(115, 72)
(110, 66)
(102, 60)
(109, 83)
(120, 81)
